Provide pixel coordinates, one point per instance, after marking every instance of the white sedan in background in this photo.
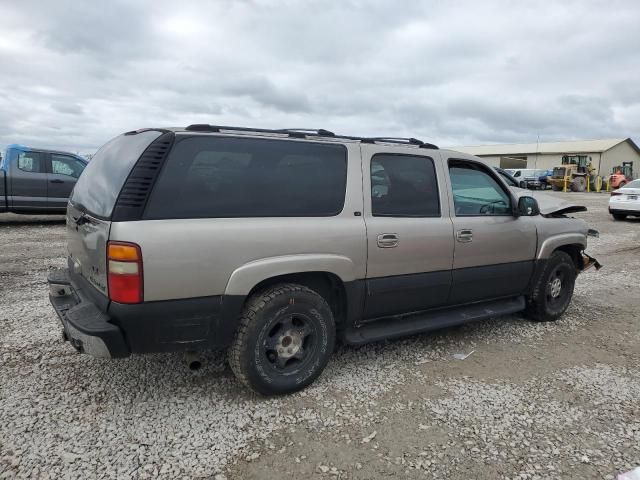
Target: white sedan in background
(625, 201)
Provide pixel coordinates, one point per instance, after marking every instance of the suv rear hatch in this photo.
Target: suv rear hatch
(93, 201)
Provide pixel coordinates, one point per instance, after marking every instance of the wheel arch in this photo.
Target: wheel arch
(571, 243)
(331, 276)
(573, 250)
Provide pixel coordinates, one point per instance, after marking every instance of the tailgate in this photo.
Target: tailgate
(87, 243)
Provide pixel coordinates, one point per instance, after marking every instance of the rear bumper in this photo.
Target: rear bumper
(85, 327)
(96, 326)
(629, 208)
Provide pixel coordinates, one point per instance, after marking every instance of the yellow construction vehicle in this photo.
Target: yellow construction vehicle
(577, 174)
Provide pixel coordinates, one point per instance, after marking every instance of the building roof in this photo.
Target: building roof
(574, 146)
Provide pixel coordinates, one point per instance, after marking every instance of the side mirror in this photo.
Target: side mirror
(522, 184)
(528, 207)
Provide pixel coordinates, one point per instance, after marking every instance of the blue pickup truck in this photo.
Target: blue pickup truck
(36, 181)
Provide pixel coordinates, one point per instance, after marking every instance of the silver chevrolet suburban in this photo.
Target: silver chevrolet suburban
(274, 244)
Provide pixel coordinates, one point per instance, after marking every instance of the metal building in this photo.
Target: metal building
(605, 154)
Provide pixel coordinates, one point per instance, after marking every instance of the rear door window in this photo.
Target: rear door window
(403, 186)
(98, 187)
(218, 177)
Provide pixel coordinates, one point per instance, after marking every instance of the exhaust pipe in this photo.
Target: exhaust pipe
(193, 361)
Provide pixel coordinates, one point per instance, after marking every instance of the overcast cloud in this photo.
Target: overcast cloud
(75, 74)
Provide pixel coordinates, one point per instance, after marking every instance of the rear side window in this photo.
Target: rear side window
(98, 187)
(30, 162)
(218, 177)
(403, 186)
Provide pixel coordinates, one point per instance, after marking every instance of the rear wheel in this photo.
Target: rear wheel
(284, 340)
(553, 290)
(619, 216)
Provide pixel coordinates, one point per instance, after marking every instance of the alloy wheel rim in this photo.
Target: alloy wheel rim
(289, 343)
(557, 287)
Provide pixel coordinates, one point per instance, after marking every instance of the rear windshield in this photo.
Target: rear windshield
(99, 185)
(217, 177)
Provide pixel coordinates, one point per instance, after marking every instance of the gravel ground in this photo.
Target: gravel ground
(533, 401)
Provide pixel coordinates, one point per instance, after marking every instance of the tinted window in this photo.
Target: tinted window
(475, 192)
(403, 186)
(249, 177)
(634, 184)
(98, 188)
(30, 162)
(66, 165)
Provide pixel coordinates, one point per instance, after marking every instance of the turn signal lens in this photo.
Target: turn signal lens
(124, 272)
(123, 251)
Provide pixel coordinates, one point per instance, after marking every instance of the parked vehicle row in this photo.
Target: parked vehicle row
(534, 179)
(36, 181)
(275, 244)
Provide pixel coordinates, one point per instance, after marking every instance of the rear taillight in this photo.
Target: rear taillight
(124, 272)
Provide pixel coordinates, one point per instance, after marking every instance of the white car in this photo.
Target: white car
(625, 201)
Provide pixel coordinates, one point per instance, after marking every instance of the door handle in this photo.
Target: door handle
(465, 235)
(57, 181)
(388, 240)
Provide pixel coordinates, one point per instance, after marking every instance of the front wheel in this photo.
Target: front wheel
(283, 342)
(619, 216)
(579, 184)
(553, 290)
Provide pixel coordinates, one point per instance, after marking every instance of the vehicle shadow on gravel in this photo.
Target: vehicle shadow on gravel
(373, 368)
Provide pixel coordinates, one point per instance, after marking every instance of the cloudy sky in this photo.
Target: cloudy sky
(74, 74)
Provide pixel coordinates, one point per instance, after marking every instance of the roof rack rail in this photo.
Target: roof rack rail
(303, 132)
(411, 141)
(402, 140)
(205, 127)
(307, 131)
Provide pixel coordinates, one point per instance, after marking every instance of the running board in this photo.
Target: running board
(398, 326)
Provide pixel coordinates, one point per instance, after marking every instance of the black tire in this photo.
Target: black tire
(555, 188)
(619, 216)
(283, 342)
(579, 184)
(553, 290)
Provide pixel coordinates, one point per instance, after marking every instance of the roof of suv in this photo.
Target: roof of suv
(292, 133)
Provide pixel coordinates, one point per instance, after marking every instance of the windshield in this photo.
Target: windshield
(99, 186)
(634, 184)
